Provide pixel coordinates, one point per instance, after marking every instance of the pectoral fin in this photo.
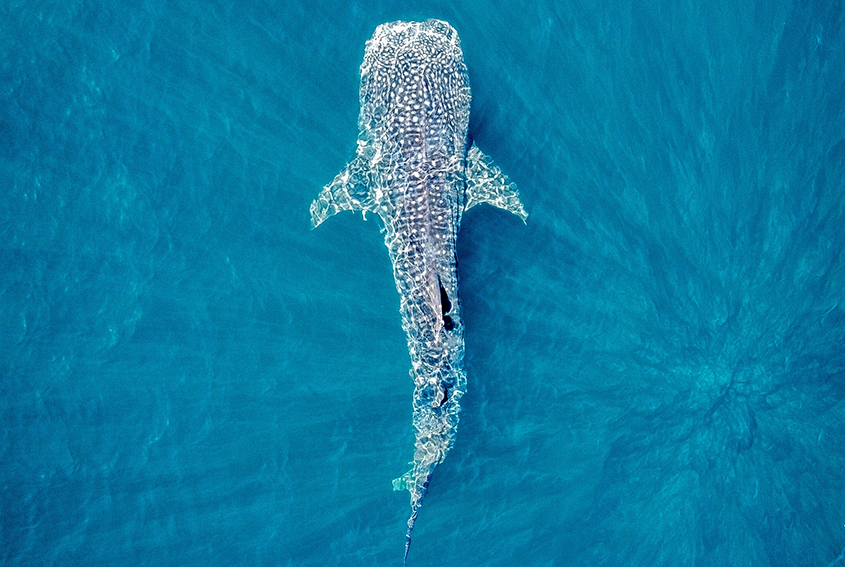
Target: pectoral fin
(487, 184)
(348, 192)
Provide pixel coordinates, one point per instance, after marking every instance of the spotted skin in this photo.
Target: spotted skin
(416, 168)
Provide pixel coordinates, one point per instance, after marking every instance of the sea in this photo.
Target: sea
(190, 375)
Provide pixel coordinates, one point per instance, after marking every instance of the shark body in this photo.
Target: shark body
(416, 168)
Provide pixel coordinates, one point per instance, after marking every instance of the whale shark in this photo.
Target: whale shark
(418, 170)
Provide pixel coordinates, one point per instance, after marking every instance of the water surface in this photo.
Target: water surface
(192, 377)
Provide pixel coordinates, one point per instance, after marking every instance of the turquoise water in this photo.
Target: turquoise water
(192, 377)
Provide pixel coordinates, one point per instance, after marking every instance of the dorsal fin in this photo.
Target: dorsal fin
(445, 307)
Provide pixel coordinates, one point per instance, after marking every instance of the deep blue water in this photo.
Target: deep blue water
(656, 365)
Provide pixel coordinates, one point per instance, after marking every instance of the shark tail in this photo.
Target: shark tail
(411, 521)
(408, 482)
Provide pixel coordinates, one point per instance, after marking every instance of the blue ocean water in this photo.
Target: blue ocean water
(192, 377)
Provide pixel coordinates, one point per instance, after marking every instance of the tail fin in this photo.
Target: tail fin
(410, 482)
(411, 521)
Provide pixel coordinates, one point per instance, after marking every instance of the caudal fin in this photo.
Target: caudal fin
(411, 521)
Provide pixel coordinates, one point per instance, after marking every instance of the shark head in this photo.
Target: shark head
(403, 61)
